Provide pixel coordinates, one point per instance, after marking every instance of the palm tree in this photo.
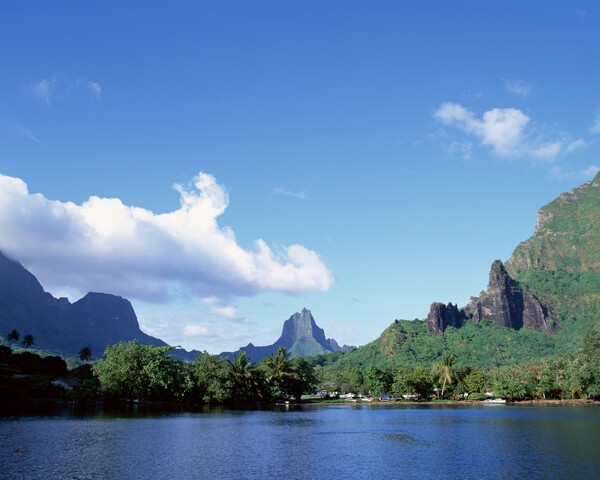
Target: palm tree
(446, 372)
(14, 336)
(85, 354)
(241, 376)
(278, 366)
(280, 370)
(27, 340)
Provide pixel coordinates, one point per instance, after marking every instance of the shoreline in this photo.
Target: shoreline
(534, 403)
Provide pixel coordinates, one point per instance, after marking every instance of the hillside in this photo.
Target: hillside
(539, 304)
(57, 325)
(301, 336)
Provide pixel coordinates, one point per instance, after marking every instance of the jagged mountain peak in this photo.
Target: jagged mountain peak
(300, 335)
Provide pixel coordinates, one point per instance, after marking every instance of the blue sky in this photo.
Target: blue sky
(360, 159)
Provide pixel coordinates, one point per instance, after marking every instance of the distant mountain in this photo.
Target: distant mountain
(95, 321)
(300, 336)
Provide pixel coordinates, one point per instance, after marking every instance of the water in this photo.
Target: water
(324, 442)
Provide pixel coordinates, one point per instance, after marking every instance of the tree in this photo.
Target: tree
(279, 369)
(590, 353)
(278, 366)
(243, 378)
(377, 380)
(302, 380)
(401, 385)
(475, 382)
(445, 371)
(207, 379)
(27, 341)
(85, 354)
(144, 372)
(421, 381)
(14, 336)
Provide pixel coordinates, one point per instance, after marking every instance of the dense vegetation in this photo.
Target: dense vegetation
(147, 373)
(572, 376)
(130, 371)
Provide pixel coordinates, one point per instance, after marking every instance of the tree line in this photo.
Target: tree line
(130, 371)
(572, 376)
(147, 373)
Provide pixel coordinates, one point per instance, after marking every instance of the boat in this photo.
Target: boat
(495, 401)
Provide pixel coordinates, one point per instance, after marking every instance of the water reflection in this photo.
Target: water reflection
(302, 442)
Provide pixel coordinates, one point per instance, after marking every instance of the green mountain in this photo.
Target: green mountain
(57, 325)
(540, 304)
(301, 336)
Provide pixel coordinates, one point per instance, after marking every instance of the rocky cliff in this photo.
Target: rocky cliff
(506, 303)
(566, 235)
(441, 316)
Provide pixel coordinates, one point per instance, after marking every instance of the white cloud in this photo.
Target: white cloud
(595, 128)
(195, 331)
(104, 245)
(504, 130)
(228, 312)
(283, 191)
(517, 87)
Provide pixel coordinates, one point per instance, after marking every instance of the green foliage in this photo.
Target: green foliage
(475, 382)
(143, 372)
(378, 380)
(206, 380)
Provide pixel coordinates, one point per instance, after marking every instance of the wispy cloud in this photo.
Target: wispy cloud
(561, 174)
(517, 87)
(575, 145)
(21, 130)
(44, 90)
(104, 245)
(95, 88)
(464, 149)
(506, 131)
(595, 128)
(283, 191)
(61, 87)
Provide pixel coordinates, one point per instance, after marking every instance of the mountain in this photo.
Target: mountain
(95, 321)
(538, 304)
(300, 336)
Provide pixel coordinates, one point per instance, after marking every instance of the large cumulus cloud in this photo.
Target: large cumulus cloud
(104, 245)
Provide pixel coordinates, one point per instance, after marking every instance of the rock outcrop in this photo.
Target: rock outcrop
(441, 316)
(505, 303)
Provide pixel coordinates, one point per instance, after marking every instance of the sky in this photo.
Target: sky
(223, 165)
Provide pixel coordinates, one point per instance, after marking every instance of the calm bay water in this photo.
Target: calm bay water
(305, 443)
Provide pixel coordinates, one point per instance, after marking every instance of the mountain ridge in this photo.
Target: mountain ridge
(96, 320)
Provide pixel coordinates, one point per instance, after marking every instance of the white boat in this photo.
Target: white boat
(495, 401)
